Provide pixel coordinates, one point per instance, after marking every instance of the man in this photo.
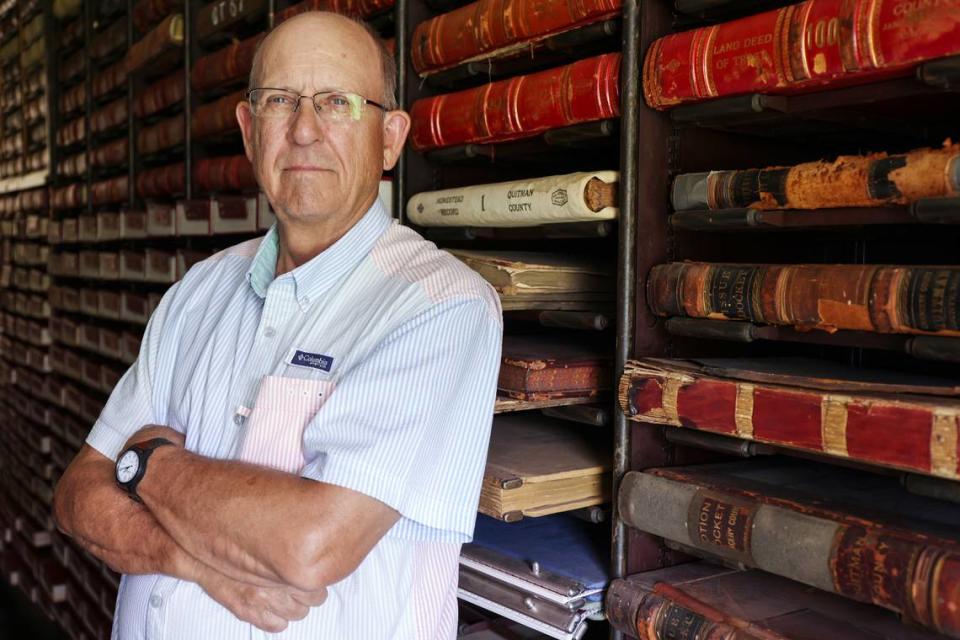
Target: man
(327, 390)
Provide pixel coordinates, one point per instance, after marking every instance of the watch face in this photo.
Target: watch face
(127, 466)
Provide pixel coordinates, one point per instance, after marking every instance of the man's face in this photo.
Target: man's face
(313, 169)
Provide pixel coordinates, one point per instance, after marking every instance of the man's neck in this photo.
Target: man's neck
(300, 241)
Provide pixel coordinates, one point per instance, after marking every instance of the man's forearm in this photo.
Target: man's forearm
(236, 517)
(117, 530)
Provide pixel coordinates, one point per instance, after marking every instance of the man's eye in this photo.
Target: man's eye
(279, 99)
(338, 101)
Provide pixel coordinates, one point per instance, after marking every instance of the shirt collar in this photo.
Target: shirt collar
(313, 278)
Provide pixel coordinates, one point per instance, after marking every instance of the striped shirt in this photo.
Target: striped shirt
(373, 367)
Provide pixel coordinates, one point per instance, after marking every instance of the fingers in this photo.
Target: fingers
(309, 598)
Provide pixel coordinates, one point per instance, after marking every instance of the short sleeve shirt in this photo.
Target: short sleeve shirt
(373, 367)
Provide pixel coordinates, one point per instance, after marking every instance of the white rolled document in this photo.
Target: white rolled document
(574, 197)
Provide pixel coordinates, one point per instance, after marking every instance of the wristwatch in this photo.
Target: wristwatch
(132, 465)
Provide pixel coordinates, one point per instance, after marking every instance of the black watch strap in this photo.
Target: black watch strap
(144, 450)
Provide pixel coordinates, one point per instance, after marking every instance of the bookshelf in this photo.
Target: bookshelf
(769, 130)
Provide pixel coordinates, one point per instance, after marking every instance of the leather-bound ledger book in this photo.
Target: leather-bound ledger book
(487, 27)
(855, 534)
(110, 190)
(107, 41)
(574, 197)
(703, 601)
(227, 173)
(162, 135)
(111, 154)
(878, 298)
(160, 95)
(147, 13)
(537, 367)
(871, 180)
(217, 116)
(224, 16)
(801, 47)
(230, 64)
(518, 275)
(899, 421)
(162, 181)
(165, 36)
(520, 107)
(538, 465)
(356, 8)
(111, 115)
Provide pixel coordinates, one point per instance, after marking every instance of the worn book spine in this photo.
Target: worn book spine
(112, 190)
(107, 41)
(225, 14)
(575, 197)
(112, 115)
(160, 95)
(147, 13)
(166, 35)
(356, 8)
(166, 133)
(812, 44)
(230, 64)
(882, 299)
(487, 26)
(520, 107)
(525, 380)
(109, 79)
(871, 180)
(217, 116)
(667, 613)
(864, 562)
(889, 430)
(111, 154)
(161, 181)
(230, 173)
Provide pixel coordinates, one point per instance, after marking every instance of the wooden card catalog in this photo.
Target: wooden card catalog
(161, 266)
(161, 219)
(234, 214)
(133, 225)
(193, 217)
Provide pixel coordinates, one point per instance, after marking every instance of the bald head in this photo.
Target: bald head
(356, 39)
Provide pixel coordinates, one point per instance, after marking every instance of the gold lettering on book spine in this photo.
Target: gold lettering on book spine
(671, 390)
(833, 424)
(743, 412)
(943, 444)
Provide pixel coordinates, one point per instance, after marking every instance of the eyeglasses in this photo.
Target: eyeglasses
(335, 106)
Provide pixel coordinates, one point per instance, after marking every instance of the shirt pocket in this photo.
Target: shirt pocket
(283, 408)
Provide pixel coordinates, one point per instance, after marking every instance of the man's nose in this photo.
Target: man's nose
(307, 125)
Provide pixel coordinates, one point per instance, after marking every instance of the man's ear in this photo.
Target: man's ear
(396, 126)
(245, 118)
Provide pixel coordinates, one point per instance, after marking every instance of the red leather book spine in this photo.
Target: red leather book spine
(226, 65)
(894, 432)
(161, 181)
(231, 173)
(369, 8)
(146, 13)
(817, 43)
(488, 25)
(520, 107)
(216, 117)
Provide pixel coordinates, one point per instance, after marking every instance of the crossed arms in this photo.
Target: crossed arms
(262, 543)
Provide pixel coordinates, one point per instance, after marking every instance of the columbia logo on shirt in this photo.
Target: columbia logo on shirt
(312, 360)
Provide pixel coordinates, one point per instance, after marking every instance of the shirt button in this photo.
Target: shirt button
(306, 300)
(237, 419)
(270, 332)
(156, 601)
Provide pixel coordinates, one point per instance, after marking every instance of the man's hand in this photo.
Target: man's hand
(268, 608)
(152, 431)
